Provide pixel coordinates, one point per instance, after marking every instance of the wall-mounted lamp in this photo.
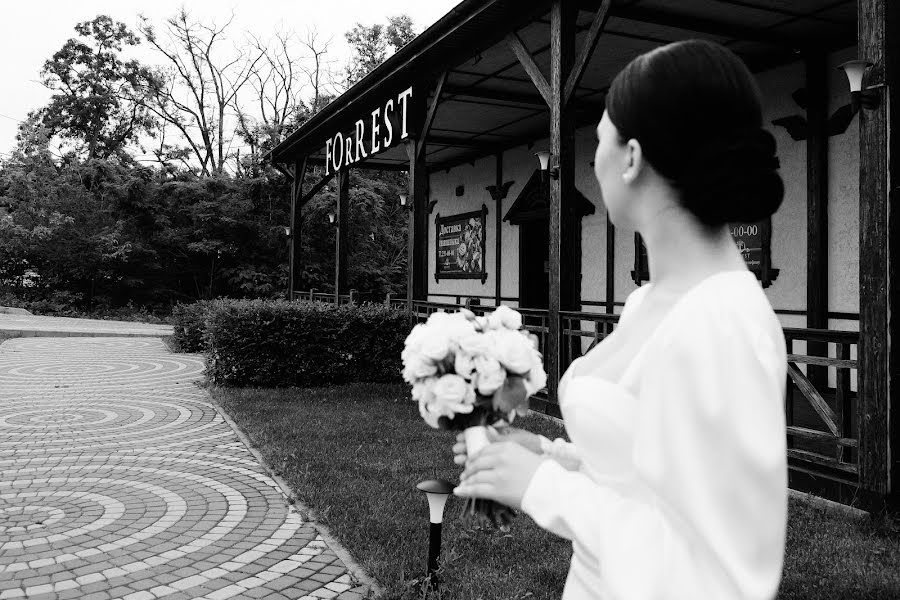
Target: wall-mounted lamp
(332, 219)
(544, 160)
(868, 98)
(287, 231)
(405, 203)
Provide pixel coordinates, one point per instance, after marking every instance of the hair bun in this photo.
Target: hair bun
(733, 178)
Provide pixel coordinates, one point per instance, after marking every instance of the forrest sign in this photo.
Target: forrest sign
(379, 130)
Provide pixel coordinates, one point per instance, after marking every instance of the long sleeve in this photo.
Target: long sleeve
(705, 516)
(563, 452)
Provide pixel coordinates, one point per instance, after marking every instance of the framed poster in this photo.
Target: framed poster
(754, 241)
(460, 245)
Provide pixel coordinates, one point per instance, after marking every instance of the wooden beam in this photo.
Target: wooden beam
(563, 14)
(299, 173)
(587, 49)
(343, 234)
(879, 246)
(432, 110)
(817, 207)
(316, 188)
(417, 249)
(527, 62)
(610, 265)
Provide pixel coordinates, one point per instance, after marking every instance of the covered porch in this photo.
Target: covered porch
(465, 106)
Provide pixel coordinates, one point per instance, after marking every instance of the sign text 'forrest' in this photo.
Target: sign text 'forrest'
(377, 131)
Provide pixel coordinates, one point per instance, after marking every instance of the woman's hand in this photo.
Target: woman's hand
(501, 472)
(526, 439)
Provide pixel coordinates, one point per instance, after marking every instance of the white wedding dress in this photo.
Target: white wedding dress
(675, 483)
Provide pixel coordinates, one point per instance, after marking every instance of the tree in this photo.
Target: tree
(369, 45)
(195, 92)
(97, 100)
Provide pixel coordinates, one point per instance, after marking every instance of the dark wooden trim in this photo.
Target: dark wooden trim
(816, 206)
(563, 292)
(432, 110)
(299, 175)
(527, 62)
(879, 29)
(342, 235)
(498, 194)
(610, 264)
(418, 239)
(587, 49)
(316, 188)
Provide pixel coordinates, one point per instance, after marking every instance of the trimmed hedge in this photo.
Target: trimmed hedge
(275, 343)
(189, 325)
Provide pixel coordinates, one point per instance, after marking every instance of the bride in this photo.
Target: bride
(675, 482)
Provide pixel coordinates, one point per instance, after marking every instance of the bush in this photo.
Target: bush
(188, 325)
(275, 343)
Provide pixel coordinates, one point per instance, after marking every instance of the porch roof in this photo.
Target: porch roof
(488, 102)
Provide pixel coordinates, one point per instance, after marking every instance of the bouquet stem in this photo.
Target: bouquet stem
(498, 514)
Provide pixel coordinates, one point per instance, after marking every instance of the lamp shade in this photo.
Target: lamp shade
(331, 217)
(287, 231)
(544, 158)
(403, 198)
(437, 491)
(854, 70)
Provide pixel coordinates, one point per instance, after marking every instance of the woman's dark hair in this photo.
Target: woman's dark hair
(696, 110)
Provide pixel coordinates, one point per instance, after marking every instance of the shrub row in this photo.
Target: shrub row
(275, 343)
(189, 324)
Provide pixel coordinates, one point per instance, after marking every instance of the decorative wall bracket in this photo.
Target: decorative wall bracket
(499, 193)
(798, 128)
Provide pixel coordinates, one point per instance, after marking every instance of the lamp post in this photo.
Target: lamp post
(437, 491)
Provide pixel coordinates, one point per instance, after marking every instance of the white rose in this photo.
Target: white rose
(514, 351)
(431, 417)
(423, 390)
(415, 337)
(507, 317)
(536, 380)
(454, 393)
(416, 366)
(464, 364)
(435, 347)
(477, 344)
(490, 375)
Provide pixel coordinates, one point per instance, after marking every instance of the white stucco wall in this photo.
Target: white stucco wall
(789, 230)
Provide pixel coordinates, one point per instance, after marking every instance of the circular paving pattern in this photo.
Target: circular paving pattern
(119, 479)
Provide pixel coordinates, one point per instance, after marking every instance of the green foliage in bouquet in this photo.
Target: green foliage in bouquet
(276, 343)
(189, 325)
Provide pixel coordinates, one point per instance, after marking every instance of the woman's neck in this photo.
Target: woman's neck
(681, 251)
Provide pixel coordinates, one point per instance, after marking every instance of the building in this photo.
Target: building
(466, 106)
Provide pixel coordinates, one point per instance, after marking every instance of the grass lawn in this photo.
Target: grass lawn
(354, 453)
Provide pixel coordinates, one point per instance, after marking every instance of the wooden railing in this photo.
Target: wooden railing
(820, 404)
(823, 434)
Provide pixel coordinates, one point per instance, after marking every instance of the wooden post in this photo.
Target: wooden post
(610, 266)
(562, 144)
(498, 220)
(817, 210)
(354, 297)
(417, 287)
(879, 244)
(341, 237)
(387, 299)
(296, 208)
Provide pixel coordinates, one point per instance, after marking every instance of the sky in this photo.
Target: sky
(32, 30)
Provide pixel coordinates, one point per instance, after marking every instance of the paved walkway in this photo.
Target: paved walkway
(34, 325)
(118, 479)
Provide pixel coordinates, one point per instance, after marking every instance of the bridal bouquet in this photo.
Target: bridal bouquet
(468, 373)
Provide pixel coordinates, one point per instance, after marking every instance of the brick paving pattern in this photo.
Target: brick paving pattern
(36, 325)
(118, 479)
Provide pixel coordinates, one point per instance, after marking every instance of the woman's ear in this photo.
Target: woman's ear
(634, 161)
